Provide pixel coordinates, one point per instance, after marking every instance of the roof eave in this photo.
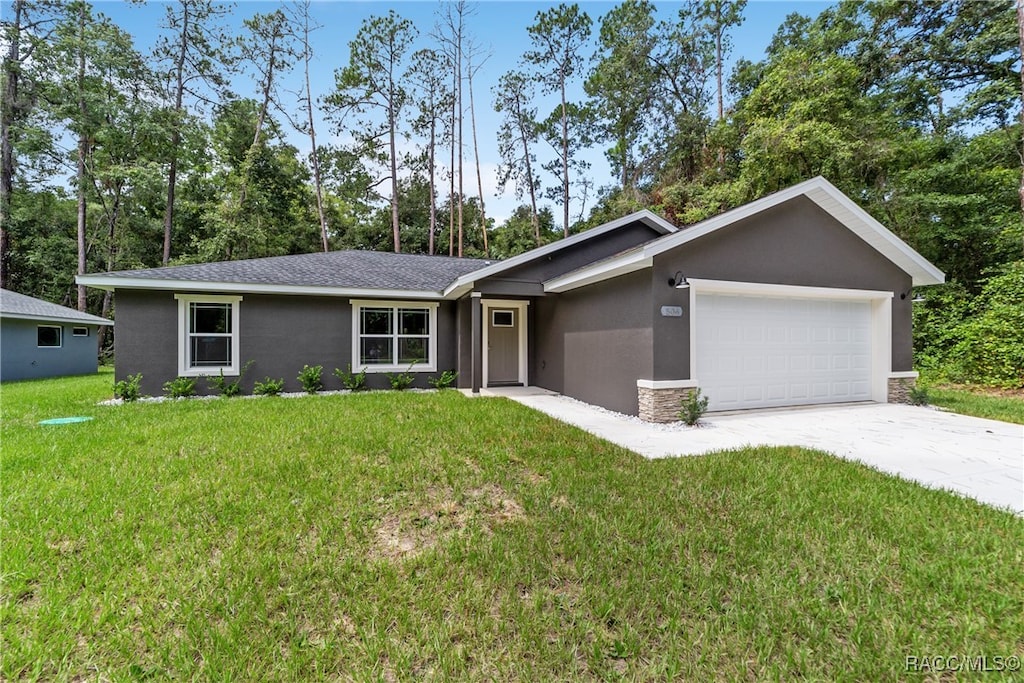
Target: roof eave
(109, 283)
(648, 218)
(55, 318)
(623, 265)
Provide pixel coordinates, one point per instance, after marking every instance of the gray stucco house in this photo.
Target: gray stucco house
(800, 297)
(40, 339)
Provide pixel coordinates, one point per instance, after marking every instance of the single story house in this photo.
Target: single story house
(797, 298)
(40, 339)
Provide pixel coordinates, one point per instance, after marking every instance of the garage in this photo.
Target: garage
(772, 351)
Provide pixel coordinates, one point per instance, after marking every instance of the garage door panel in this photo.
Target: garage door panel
(763, 351)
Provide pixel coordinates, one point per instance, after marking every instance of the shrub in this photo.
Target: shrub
(990, 346)
(401, 381)
(918, 395)
(310, 378)
(180, 387)
(225, 388)
(444, 381)
(128, 389)
(694, 406)
(353, 381)
(268, 387)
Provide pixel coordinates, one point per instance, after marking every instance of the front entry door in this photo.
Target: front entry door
(503, 346)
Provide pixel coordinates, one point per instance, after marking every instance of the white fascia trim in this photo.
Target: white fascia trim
(784, 291)
(429, 366)
(183, 368)
(50, 318)
(602, 271)
(667, 383)
(904, 374)
(111, 283)
(646, 217)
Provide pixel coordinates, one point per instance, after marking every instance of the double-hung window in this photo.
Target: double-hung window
(207, 334)
(394, 335)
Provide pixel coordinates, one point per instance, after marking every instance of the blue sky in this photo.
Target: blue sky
(500, 27)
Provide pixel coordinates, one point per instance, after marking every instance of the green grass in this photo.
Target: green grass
(411, 535)
(970, 401)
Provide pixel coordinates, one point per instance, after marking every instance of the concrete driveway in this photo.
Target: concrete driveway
(983, 459)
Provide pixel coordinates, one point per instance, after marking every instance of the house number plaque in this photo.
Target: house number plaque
(672, 311)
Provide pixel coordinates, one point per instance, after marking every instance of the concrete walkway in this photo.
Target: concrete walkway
(983, 459)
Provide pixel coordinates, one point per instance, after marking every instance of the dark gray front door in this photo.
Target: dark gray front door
(503, 346)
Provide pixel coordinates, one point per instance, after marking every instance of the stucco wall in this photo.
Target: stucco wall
(796, 243)
(595, 342)
(21, 357)
(525, 280)
(279, 334)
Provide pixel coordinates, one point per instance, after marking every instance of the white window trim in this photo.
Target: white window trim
(494, 322)
(881, 319)
(521, 306)
(429, 366)
(183, 302)
(76, 328)
(60, 337)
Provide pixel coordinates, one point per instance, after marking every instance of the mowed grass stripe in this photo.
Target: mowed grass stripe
(409, 535)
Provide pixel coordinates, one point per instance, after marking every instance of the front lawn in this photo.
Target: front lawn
(393, 536)
(994, 404)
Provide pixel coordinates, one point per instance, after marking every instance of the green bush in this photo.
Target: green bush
(919, 395)
(400, 381)
(694, 406)
(990, 346)
(128, 389)
(353, 381)
(180, 387)
(268, 387)
(311, 378)
(444, 381)
(225, 388)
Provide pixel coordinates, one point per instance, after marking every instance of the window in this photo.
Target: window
(79, 331)
(501, 318)
(49, 336)
(393, 335)
(207, 335)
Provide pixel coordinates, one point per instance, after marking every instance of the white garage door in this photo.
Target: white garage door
(760, 352)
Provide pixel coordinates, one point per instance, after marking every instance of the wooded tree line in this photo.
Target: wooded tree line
(113, 158)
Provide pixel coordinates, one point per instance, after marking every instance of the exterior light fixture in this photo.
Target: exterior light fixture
(678, 280)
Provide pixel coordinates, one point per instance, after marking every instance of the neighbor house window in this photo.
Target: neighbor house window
(207, 334)
(79, 331)
(392, 335)
(49, 336)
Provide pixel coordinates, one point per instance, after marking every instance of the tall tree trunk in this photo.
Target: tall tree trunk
(451, 180)
(476, 156)
(1020, 143)
(458, 98)
(172, 171)
(565, 163)
(433, 205)
(7, 113)
(392, 123)
(317, 182)
(533, 190)
(83, 150)
(112, 216)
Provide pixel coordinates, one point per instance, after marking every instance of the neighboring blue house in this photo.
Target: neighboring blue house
(40, 339)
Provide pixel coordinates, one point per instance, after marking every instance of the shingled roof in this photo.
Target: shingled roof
(14, 305)
(348, 270)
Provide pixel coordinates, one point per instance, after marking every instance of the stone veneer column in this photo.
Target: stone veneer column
(662, 405)
(899, 389)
